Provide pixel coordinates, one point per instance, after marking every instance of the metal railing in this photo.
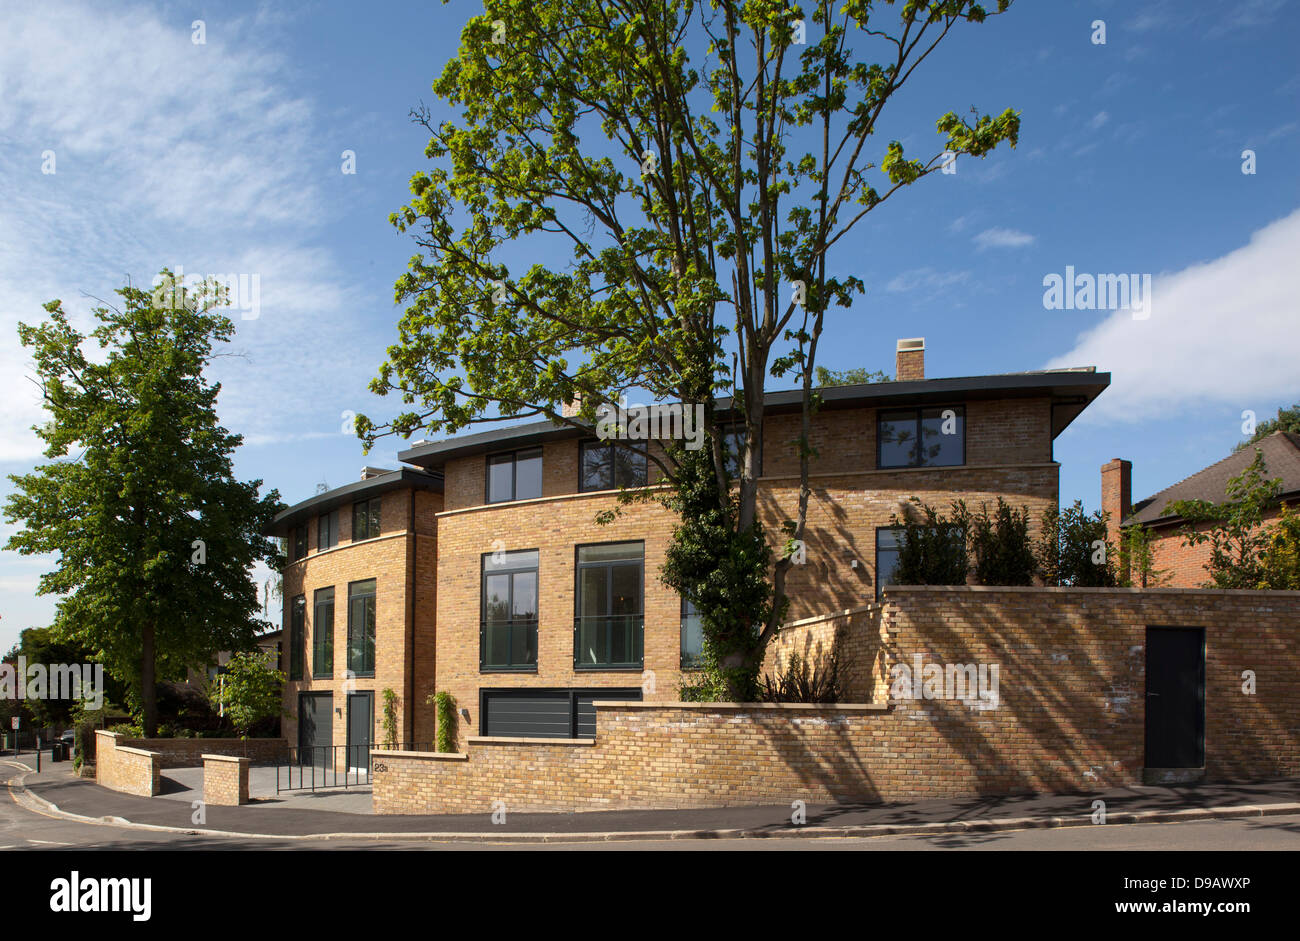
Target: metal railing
(317, 767)
(516, 637)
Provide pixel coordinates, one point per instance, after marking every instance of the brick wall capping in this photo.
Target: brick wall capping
(235, 758)
(139, 751)
(428, 755)
(501, 740)
(1052, 589)
(819, 618)
(723, 707)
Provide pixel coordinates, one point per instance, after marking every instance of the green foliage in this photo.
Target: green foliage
(1281, 560)
(723, 570)
(931, 548)
(858, 375)
(1072, 549)
(1234, 529)
(444, 708)
(800, 681)
(390, 719)
(1000, 546)
(699, 164)
(1288, 419)
(251, 690)
(1137, 558)
(151, 475)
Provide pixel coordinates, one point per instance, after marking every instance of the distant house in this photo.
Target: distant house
(1185, 566)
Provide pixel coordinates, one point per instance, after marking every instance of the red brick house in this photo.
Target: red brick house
(1185, 566)
(479, 569)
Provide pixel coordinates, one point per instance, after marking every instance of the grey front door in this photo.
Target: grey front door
(315, 728)
(361, 719)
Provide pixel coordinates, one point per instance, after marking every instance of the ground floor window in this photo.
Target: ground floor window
(608, 631)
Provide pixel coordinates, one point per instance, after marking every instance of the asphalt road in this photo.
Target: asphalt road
(22, 829)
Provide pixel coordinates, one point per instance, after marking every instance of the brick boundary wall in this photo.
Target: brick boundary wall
(190, 752)
(225, 780)
(1070, 715)
(858, 636)
(122, 768)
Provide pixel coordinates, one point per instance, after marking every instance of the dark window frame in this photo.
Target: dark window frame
(376, 517)
(317, 647)
(299, 544)
(879, 580)
(916, 412)
(688, 662)
(297, 636)
(483, 665)
(327, 523)
(641, 447)
(514, 475)
(374, 596)
(639, 628)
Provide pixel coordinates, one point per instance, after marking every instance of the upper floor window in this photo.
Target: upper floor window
(322, 633)
(297, 636)
(608, 630)
(327, 530)
(921, 437)
(361, 628)
(606, 465)
(365, 519)
(733, 450)
(298, 544)
(514, 476)
(508, 632)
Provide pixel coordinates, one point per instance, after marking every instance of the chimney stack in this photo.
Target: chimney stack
(368, 472)
(1116, 498)
(571, 408)
(909, 360)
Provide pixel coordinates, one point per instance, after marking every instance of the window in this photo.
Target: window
(508, 630)
(514, 476)
(888, 540)
(733, 450)
(298, 544)
(606, 466)
(692, 636)
(921, 437)
(361, 628)
(327, 530)
(297, 636)
(608, 623)
(365, 519)
(322, 634)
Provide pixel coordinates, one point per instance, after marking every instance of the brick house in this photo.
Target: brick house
(1185, 566)
(479, 568)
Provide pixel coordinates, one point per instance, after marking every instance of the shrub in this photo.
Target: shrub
(444, 707)
(390, 719)
(251, 691)
(1072, 549)
(931, 549)
(800, 681)
(1001, 547)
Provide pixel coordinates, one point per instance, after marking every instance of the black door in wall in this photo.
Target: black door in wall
(1175, 697)
(315, 728)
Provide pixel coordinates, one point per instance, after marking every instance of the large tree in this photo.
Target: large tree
(154, 536)
(700, 161)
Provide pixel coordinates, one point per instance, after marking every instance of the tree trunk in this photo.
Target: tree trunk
(148, 688)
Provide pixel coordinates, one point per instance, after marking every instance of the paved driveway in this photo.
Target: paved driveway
(186, 784)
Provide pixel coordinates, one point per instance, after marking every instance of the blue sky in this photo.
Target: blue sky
(226, 157)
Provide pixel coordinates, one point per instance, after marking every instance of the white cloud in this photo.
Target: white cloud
(925, 279)
(1099, 120)
(1220, 333)
(167, 153)
(1003, 238)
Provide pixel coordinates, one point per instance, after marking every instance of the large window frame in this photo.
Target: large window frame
(322, 634)
(918, 416)
(613, 467)
(367, 519)
(593, 630)
(362, 605)
(297, 636)
(513, 458)
(520, 633)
